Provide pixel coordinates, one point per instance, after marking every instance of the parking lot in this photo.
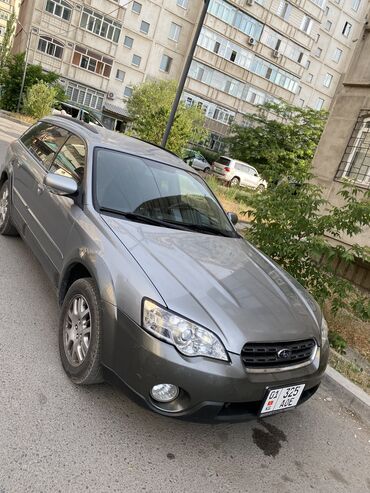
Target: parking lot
(55, 436)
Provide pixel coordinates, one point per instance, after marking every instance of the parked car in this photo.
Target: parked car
(79, 112)
(197, 161)
(154, 283)
(236, 173)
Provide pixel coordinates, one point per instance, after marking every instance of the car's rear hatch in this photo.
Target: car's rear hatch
(222, 165)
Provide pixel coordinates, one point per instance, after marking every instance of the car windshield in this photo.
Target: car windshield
(141, 189)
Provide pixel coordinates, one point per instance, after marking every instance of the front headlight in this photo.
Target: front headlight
(189, 338)
(324, 331)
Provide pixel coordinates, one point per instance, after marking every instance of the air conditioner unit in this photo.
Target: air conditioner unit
(110, 95)
(251, 41)
(35, 30)
(70, 45)
(249, 2)
(78, 7)
(276, 53)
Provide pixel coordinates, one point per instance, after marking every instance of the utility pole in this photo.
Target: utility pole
(25, 66)
(184, 74)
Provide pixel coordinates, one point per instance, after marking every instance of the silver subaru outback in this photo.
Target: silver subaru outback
(155, 284)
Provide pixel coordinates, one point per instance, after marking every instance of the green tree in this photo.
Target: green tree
(290, 223)
(279, 140)
(7, 42)
(12, 79)
(39, 100)
(149, 108)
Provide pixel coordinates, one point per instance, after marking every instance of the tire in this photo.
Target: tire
(207, 170)
(80, 336)
(234, 182)
(6, 225)
(260, 188)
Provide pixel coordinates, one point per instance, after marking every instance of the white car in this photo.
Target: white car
(236, 173)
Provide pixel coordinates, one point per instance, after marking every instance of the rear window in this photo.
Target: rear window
(224, 161)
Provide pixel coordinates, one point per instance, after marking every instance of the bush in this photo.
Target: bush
(290, 224)
(40, 100)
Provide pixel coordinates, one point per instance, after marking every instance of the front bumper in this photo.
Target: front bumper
(210, 389)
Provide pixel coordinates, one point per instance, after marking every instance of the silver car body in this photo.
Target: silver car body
(223, 284)
(228, 169)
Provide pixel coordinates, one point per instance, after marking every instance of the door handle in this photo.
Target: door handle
(40, 189)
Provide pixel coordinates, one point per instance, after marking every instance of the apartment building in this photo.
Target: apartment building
(344, 150)
(6, 8)
(249, 51)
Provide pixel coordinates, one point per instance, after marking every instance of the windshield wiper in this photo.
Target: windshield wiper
(208, 229)
(132, 216)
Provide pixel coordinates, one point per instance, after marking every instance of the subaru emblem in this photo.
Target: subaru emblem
(284, 353)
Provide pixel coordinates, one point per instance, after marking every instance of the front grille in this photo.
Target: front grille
(266, 355)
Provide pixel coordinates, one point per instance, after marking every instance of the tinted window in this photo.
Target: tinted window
(224, 161)
(70, 160)
(44, 141)
(130, 184)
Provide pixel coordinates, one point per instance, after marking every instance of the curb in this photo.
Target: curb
(4, 114)
(349, 394)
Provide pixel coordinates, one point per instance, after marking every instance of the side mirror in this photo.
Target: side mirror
(61, 185)
(233, 217)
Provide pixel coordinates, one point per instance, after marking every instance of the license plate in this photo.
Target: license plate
(282, 399)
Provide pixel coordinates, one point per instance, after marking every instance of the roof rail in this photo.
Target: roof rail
(87, 126)
(156, 145)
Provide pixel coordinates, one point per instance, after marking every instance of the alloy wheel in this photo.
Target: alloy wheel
(77, 331)
(4, 204)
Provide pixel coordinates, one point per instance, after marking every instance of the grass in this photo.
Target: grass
(20, 116)
(233, 199)
(350, 370)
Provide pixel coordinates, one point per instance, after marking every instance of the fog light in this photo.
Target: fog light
(164, 392)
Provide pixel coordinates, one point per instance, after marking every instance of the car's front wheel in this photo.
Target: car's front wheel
(80, 333)
(6, 225)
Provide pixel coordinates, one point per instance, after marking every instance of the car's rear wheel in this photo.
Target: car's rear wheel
(234, 182)
(6, 225)
(80, 333)
(207, 170)
(260, 188)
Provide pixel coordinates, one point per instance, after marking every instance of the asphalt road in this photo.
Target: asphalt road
(55, 436)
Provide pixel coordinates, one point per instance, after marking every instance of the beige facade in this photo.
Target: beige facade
(344, 150)
(249, 51)
(6, 8)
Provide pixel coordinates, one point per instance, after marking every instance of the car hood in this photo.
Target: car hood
(223, 284)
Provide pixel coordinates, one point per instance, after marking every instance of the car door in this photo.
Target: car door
(57, 213)
(35, 153)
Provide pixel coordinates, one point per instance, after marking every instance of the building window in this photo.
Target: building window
(128, 42)
(4, 15)
(306, 24)
(120, 75)
(165, 64)
(136, 7)
(337, 55)
(100, 25)
(301, 103)
(84, 96)
(317, 37)
(91, 61)
(327, 11)
(309, 77)
(236, 18)
(318, 52)
(319, 104)
(347, 29)
(328, 25)
(144, 27)
(308, 63)
(2, 30)
(175, 31)
(50, 46)
(355, 164)
(60, 8)
(136, 60)
(128, 92)
(327, 80)
(355, 5)
(320, 3)
(182, 3)
(216, 47)
(284, 10)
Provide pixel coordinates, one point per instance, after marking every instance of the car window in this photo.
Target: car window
(44, 141)
(224, 161)
(71, 159)
(131, 184)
